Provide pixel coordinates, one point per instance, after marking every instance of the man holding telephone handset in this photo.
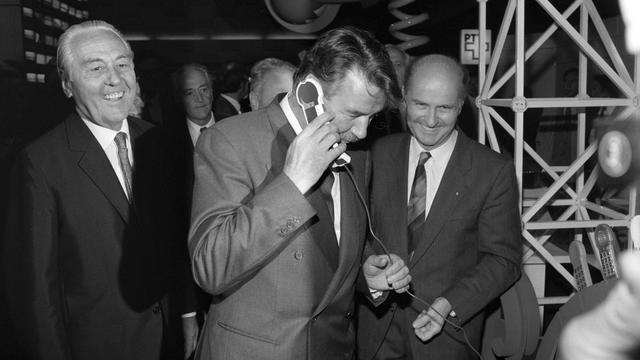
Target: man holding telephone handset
(277, 229)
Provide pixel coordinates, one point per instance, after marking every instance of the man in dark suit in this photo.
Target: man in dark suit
(193, 90)
(86, 262)
(458, 202)
(276, 236)
(234, 89)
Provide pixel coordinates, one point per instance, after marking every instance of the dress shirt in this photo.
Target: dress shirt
(335, 189)
(106, 140)
(233, 102)
(194, 129)
(434, 168)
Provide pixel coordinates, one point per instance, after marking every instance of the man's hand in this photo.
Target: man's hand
(311, 152)
(429, 322)
(382, 275)
(190, 332)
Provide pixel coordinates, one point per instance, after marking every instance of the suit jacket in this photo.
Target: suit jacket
(194, 299)
(468, 252)
(86, 273)
(282, 288)
(224, 108)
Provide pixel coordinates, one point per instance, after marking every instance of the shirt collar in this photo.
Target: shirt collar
(443, 151)
(105, 135)
(197, 127)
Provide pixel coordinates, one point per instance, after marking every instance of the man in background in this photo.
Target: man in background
(269, 77)
(400, 60)
(390, 121)
(277, 233)
(234, 89)
(458, 201)
(194, 92)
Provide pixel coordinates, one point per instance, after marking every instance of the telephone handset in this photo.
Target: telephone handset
(311, 98)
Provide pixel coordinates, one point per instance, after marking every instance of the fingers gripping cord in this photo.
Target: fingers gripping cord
(409, 292)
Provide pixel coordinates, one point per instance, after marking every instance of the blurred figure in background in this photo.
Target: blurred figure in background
(269, 77)
(138, 103)
(390, 121)
(400, 60)
(234, 88)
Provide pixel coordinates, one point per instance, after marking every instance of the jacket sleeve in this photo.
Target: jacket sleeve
(500, 249)
(34, 289)
(239, 223)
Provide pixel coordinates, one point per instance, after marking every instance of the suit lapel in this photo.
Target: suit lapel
(450, 191)
(351, 239)
(396, 197)
(95, 164)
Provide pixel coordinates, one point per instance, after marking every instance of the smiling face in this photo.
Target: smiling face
(100, 77)
(353, 101)
(197, 96)
(432, 102)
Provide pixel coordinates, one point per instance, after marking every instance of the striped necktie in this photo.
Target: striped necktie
(123, 159)
(417, 200)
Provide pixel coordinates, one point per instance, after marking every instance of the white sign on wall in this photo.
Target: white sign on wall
(469, 41)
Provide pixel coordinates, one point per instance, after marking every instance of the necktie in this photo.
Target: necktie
(417, 200)
(123, 159)
(325, 189)
(203, 129)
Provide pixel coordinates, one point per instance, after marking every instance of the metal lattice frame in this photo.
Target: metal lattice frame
(576, 216)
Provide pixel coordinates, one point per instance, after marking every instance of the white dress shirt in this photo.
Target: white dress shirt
(194, 129)
(434, 167)
(106, 140)
(335, 189)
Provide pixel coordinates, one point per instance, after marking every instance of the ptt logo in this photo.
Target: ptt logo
(469, 49)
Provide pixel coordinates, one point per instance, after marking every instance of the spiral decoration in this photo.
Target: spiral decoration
(405, 21)
(302, 16)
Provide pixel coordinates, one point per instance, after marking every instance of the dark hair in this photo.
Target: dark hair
(233, 78)
(341, 50)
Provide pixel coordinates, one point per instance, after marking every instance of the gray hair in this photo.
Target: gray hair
(264, 66)
(64, 44)
(178, 76)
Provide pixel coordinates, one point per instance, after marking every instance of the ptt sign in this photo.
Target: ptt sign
(469, 41)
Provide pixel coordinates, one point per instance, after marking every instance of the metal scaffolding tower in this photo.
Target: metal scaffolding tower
(571, 185)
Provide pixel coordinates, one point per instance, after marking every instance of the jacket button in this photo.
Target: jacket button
(349, 315)
(156, 309)
(298, 254)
